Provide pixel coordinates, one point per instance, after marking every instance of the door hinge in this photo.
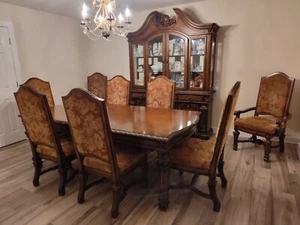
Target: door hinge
(9, 40)
(17, 83)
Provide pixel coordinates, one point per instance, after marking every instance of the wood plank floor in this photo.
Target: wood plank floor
(257, 193)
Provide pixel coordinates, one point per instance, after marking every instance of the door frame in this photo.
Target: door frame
(14, 49)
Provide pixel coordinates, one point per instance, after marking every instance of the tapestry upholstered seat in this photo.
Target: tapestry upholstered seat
(97, 84)
(160, 93)
(45, 142)
(95, 149)
(118, 90)
(203, 157)
(270, 114)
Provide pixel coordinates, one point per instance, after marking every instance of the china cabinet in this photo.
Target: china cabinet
(181, 50)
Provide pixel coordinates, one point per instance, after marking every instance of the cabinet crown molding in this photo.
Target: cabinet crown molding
(163, 21)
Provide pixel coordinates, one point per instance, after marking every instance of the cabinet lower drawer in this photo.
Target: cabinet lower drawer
(196, 98)
(191, 106)
(138, 95)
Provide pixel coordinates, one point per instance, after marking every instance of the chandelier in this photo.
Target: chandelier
(105, 20)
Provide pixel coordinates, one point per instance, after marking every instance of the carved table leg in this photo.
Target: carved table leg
(163, 166)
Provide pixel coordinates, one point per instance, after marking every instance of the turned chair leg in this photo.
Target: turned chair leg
(37, 162)
(63, 172)
(221, 171)
(144, 170)
(267, 148)
(72, 172)
(119, 193)
(281, 142)
(236, 134)
(82, 186)
(212, 183)
(194, 179)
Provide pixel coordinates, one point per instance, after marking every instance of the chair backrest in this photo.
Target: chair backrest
(97, 83)
(118, 90)
(43, 87)
(224, 124)
(160, 93)
(274, 95)
(90, 128)
(36, 117)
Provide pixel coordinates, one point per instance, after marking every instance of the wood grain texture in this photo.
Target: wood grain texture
(257, 193)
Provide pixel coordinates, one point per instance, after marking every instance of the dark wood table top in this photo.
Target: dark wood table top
(147, 123)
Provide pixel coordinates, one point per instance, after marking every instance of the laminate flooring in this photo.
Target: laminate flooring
(257, 193)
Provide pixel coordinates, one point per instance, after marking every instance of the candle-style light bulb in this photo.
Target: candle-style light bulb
(84, 10)
(120, 19)
(109, 7)
(127, 12)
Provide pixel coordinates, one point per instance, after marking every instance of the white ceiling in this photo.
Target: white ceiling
(72, 8)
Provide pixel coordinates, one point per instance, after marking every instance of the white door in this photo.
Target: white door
(11, 127)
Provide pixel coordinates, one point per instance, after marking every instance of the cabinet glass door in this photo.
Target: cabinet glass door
(197, 63)
(176, 54)
(155, 57)
(138, 67)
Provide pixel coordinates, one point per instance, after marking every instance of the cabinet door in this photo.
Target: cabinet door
(196, 73)
(155, 56)
(177, 59)
(138, 64)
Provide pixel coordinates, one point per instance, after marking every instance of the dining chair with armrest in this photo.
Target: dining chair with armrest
(97, 83)
(160, 93)
(45, 142)
(270, 114)
(96, 152)
(118, 90)
(204, 157)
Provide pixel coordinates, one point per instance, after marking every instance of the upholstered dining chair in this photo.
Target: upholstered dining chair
(43, 87)
(45, 143)
(96, 152)
(203, 157)
(160, 93)
(270, 114)
(118, 90)
(97, 83)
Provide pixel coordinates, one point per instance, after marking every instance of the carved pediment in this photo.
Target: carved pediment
(163, 20)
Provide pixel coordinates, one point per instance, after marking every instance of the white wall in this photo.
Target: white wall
(256, 38)
(50, 47)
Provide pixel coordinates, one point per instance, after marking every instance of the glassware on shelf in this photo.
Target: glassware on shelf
(138, 50)
(198, 46)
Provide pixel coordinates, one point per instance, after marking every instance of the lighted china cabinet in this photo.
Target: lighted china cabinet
(184, 52)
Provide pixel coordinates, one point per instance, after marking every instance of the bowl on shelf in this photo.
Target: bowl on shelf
(157, 67)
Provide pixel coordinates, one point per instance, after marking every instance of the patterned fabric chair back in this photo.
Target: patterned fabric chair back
(274, 95)
(43, 87)
(89, 125)
(97, 83)
(160, 93)
(118, 90)
(225, 122)
(36, 116)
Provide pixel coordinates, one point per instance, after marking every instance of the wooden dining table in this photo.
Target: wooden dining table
(149, 128)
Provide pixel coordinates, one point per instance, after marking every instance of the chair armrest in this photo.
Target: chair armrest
(239, 112)
(282, 123)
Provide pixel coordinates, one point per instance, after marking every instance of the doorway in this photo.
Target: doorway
(11, 127)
